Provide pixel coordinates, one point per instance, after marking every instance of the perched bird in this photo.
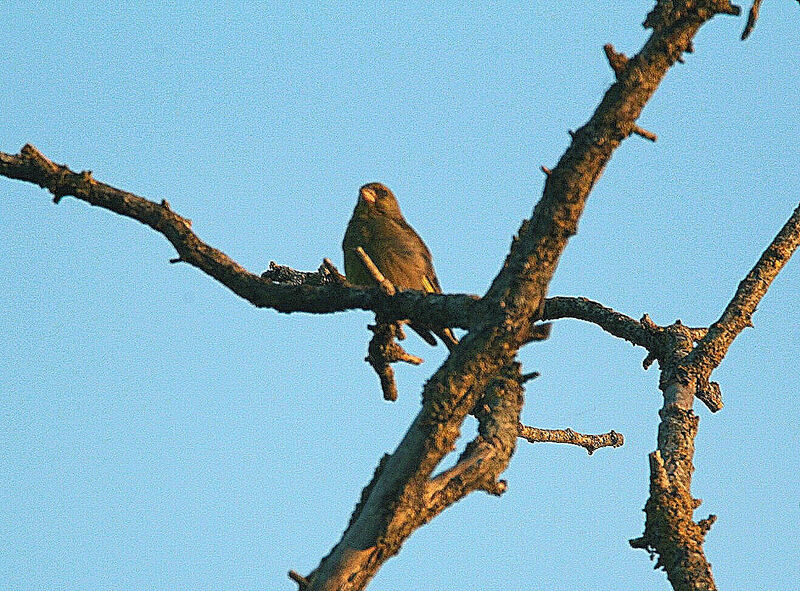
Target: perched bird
(380, 229)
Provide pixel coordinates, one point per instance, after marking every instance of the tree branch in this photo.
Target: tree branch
(613, 322)
(711, 349)
(499, 324)
(294, 291)
(283, 288)
(590, 442)
(670, 530)
(383, 351)
(486, 456)
(752, 17)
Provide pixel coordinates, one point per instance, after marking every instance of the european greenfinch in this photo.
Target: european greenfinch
(378, 226)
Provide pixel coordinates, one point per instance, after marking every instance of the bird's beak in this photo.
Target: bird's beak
(368, 194)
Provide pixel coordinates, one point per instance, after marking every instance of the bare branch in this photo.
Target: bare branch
(282, 288)
(611, 321)
(487, 456)
(590, 442)
(288, 276)
(711, 349)
(752, 17)
(670, 530)
(617, 61)
(386, 286)
(400, 497)
(510, 308)
(641, 132)
(301, 581)
(383, 350)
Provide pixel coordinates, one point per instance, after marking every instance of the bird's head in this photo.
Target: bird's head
(377, 199)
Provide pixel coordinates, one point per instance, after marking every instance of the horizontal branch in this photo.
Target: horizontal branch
(32, 166)
(613, 322)
(282, 288)
(286, 290)
(590, 442)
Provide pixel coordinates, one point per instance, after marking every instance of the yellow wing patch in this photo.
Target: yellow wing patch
(428, 286)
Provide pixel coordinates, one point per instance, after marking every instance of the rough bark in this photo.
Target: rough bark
(670, 529)
(510, 307)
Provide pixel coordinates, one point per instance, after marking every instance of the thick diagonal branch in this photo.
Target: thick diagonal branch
(510, 308)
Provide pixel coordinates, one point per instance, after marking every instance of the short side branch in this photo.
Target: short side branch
(383, 351)
(590, 442)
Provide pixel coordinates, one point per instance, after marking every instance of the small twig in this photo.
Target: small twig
(382, 351)
(386, 286)
(641, 132)
(301, 581)
(546, 170)
(752, 17)
(331, 271)
(590, 442)
(617, 61)
(710, 394)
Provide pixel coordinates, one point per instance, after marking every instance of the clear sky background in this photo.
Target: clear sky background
(157, 432)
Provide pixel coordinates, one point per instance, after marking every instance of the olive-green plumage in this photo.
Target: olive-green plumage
(380, 229)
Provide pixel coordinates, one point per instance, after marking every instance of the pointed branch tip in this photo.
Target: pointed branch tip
(641, 132)
(617, 61)
(497, 488)
(752, 17)
(301, 581)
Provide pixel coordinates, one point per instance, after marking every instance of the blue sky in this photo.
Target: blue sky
(156, 432)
